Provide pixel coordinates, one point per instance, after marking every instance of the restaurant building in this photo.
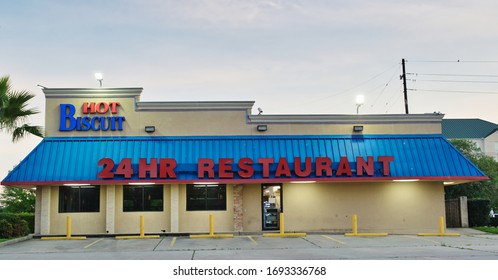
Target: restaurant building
(109, 158)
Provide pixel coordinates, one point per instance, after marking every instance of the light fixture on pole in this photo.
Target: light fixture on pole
(360, 100)
(99, 78)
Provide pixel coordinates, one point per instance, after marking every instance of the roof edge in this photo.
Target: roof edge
(345, 119)
(255, 180)
(91, 92)
(193, 105)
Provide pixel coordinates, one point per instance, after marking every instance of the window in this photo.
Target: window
(142, 198)
(74, 199)
(206, 197)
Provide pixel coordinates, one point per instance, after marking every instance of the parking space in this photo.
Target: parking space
(313, 246)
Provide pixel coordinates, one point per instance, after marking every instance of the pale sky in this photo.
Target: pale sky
(290, 56)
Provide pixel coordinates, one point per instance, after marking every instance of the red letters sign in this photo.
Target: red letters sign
(245, 168)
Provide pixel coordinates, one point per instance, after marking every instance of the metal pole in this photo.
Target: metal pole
(405, 91)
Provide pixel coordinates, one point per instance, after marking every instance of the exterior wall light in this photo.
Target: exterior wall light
(150, 129)
(262, 127)
(358, 128)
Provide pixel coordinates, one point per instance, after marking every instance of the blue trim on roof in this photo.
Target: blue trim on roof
(74, 159)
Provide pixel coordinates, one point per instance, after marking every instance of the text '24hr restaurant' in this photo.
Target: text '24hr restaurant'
(109, 158)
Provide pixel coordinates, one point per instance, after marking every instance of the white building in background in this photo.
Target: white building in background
(481, 132)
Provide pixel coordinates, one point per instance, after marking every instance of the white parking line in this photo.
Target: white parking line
(93, 243)
(252, 240)
(333, 239)
(172, 242)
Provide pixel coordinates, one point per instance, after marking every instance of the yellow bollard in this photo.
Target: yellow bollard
(354, 220)
(211, 231)
(142, 232)
(355, 224)
(211, 225)
(68, 226)
(441, 224)
(68, 233)
(282, 230)
(441, 230)
(142, 226)
(282, 223)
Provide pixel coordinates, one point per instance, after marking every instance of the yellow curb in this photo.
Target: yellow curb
(138, 237)
(366, 234)
(211, 236)
(296, 234)
(65, 238)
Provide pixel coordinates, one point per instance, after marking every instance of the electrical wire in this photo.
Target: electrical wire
(454, 81)
(453, 75)
(354, 87)
(454, 61)
(454, 91)
(383, 90)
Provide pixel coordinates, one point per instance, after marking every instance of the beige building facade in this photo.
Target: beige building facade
(109, 158)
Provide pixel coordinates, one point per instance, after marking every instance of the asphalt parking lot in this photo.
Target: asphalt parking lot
(471, 245)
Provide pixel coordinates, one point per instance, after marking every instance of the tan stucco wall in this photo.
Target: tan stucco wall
(198, 221)
(154, 222)
(252, 207)
(166, 123)
(347, 129)
(217, 122)
(82, 223)
(393, 207)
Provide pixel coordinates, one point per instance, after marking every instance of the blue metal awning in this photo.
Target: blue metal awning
(76, 159)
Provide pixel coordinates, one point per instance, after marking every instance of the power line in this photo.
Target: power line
(455, 81)
(453, 75)
(383, 90)
(454, 91)
(354, 87)
(454, 61)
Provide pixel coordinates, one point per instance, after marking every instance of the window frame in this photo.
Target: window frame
(144, 207)
(76, 207)
(219, 204)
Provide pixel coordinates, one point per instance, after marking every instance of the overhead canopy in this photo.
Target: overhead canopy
(189, 159)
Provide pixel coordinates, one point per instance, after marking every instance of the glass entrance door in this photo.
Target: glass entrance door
(271, 195)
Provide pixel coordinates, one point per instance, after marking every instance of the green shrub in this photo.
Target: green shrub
(478, 212)
(6, 229)
(30, 219)
(15, 225)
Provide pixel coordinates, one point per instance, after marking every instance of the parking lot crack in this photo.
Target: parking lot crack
(306, 239)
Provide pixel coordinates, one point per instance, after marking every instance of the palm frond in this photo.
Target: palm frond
(20, 132)
(14, 111)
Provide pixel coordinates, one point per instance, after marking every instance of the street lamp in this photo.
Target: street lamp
(360, 99)
(99, 78)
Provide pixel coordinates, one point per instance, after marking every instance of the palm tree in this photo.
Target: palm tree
(13, 111)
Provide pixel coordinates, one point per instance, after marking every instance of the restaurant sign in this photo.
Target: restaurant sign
(98, 116)
(246, 168)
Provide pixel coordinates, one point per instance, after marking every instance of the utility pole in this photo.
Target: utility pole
(404, 85)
